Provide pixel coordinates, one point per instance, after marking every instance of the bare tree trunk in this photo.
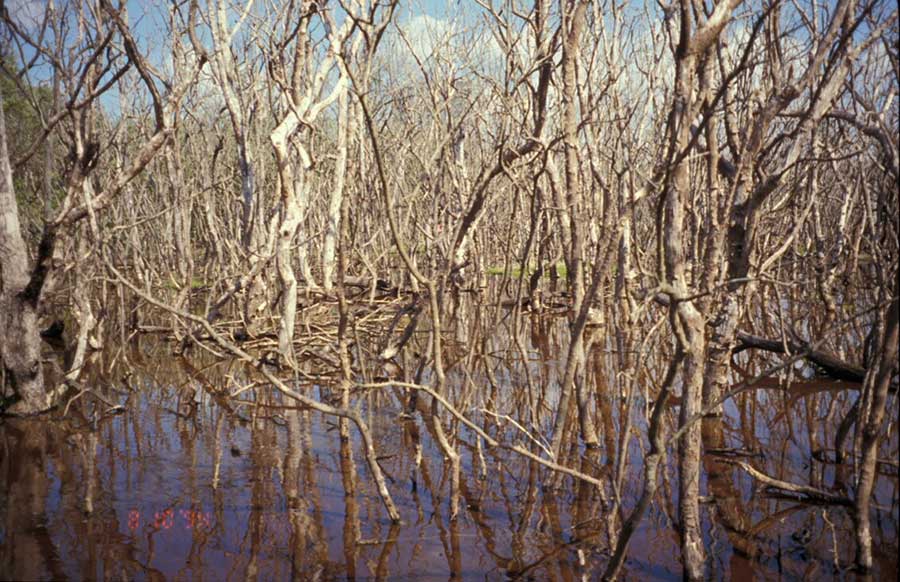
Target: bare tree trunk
(83, 312)
(47, 181)
(333, 219)
(227, 77)
(654, 458)
(689, 453)
(289, 223)
(304, 99)
(687, 323)
(20, 342)
(303, 202)
(575, 362)
(879, 386)
(181, 222)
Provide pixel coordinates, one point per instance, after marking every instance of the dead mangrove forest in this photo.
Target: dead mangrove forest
(543, 290)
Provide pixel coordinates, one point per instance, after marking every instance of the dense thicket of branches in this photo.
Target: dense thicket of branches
(702, 178)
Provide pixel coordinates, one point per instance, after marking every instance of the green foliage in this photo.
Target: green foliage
(196, 283)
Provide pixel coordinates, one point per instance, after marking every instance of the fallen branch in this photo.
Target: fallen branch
(831, 365)
(813, 494)
(750, 384)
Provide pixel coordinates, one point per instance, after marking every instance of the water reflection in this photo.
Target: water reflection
(185, 484)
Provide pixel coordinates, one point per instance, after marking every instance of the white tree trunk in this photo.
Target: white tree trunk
(337, 195)
(292, 189)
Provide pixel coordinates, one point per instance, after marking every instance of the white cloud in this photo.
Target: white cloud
(425, 34)
(441, 45)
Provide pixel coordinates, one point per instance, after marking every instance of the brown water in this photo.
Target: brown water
(181, 485)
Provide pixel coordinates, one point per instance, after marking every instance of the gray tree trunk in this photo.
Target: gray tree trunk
(20, 342)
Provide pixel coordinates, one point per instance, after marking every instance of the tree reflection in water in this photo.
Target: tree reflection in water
(186, 484)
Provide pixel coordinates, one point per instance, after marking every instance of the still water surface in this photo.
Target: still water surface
(183, 486)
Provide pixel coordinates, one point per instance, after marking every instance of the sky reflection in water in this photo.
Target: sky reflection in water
(222, 496)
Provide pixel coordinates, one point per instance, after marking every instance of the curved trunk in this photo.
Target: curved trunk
(289, 223)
